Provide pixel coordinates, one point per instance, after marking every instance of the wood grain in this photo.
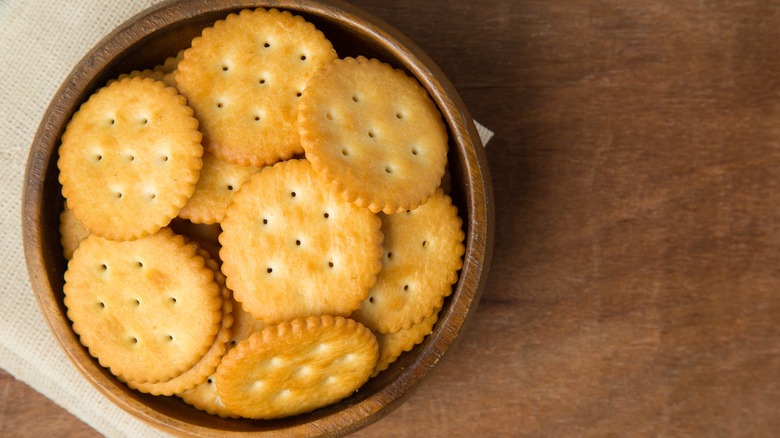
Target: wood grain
(633, 289)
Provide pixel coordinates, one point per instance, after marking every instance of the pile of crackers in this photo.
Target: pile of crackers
(256, 225)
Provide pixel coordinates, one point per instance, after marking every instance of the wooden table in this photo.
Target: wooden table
(634, 289)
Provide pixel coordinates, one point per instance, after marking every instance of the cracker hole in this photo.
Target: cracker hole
(326, 215)
(303, 57)
(98, 157)
(330, 264)
(262, 81)
(292, 194)
(111, 122)
(298, 94)
(233, 342)
(139, 264)
(329, 116)
(370, 299)
(425, 244)
(169, 338)
(103, 267)
(355, 99)
(230, 187)
(131, 157)
(219, 105)
(165, 158)
(414, 151)
(172, 300)
(269, 270)
(371, 134)
(399, 116)
(265, 221)
(102, 304)
(144, 121)
(388, 169)
(344, 152)
(266, 45)
(152, 196)
(210, 380)
(136, 303)
(224, 68)
(389, 255)
(298, 242)
(133, 340)
(257, 118)
(406, 287)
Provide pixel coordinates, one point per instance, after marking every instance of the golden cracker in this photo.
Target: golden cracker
(372, 133)
(204, 396)
(207, 364)
(291, 248)
(147, 309)
(423, 253)
(130, 158)
(296, 367)
(392, 345)
(244, 77)
(218, 181)
(71, 232)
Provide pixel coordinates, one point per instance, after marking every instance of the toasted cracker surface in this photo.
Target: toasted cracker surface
(244, 77)
(392, 345)
(207, 364)
(372, 133)
(147, 309)
(218, 181)
(130, 158)
(423, 253)
(296, 367)
(291, 248)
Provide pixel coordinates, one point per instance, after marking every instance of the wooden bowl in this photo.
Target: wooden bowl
(145, 41)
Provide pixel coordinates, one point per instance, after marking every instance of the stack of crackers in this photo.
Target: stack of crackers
(256, 225)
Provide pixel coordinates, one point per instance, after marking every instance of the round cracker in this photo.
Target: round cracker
(296, 367)
(207, 364)
(423, 253)
(214, 190)
(147, 309)
(291, 248)
(244, 77)
(130, 158)
(372, 133)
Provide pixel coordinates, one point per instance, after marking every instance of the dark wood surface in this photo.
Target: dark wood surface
(634, 283)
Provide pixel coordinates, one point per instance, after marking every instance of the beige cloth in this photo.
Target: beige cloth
(40, 42)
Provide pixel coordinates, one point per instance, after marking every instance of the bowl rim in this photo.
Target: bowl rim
(478, 195)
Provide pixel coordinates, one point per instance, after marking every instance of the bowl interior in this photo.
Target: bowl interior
(144, 42)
